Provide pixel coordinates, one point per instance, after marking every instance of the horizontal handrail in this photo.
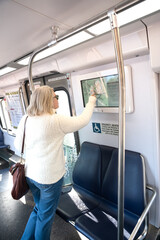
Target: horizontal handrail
(143, 215)
(117, 8)
(31, 62)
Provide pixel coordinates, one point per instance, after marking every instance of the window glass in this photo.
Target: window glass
(14, 107)
(69, 146)
(2, 115)
(63, 103)
(6, 115)
(11, 111)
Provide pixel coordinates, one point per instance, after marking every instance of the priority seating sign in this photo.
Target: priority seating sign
(96, 127)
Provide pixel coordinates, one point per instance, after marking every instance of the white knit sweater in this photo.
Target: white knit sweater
(44, 143)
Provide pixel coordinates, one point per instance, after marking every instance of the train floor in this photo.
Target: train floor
(14, 214)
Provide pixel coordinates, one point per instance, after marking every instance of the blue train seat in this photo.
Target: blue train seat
(92, 203)
(2, 145)
(102, 221)
(86, 182)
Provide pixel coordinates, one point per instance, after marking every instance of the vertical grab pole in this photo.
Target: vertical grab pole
(121, 149)
(31, 85)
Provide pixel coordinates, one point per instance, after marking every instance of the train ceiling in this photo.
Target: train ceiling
(25, 24)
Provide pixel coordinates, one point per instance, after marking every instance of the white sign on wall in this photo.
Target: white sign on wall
(14, 108)
(107, 128)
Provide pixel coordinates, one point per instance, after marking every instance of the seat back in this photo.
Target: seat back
(1, 138)
(87, 170)
(90, 167)
(134, 197)
(106, 154)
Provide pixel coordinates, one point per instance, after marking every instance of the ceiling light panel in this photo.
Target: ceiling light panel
(6, 70)
(100, 28)
(65, 44)
(24, 61)
(131, 14)
(138, 11)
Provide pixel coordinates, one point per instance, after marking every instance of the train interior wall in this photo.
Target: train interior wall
(142, 126)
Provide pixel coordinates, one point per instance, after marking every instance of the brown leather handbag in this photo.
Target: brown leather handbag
(20, 186)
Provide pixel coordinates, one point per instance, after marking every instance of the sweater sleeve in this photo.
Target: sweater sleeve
(72, 124)
(19, 134)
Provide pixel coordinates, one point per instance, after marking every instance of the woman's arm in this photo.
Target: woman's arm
(72, 124)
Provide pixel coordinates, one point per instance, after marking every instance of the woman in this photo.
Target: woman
(44, 164)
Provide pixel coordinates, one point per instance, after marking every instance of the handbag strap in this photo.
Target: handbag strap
(22, 149)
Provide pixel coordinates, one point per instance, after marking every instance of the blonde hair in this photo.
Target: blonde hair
(41, 101)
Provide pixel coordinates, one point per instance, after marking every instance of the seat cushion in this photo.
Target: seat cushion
(4, 146)
(73, 204)
(101, 225)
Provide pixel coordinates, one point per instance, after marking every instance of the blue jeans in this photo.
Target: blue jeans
(46, 198)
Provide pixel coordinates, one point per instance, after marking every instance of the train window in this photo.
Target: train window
(2, 117)
(15, 108)
(69, 145)
(6, 115)
(37, 83)
(5, 118)
(11, 111)
(63, 103)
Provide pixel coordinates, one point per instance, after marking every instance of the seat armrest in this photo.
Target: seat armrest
(143, 215)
